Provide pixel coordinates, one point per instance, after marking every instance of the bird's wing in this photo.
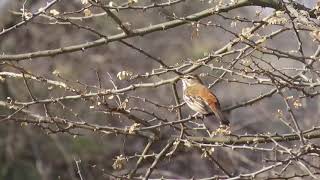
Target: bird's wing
(212, 101)
(197, 104)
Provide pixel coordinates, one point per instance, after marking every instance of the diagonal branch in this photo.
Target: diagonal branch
(142, 31)
(25, 20)
(114, 17)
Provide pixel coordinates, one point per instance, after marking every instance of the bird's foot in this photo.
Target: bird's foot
(222, 130)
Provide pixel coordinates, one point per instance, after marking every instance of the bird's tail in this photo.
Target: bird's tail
(221, 118)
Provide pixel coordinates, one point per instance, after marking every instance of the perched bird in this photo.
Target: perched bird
(200, 99)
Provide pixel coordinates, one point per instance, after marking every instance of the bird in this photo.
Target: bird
(200, 99)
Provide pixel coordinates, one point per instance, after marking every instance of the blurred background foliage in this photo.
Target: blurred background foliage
(31, 153)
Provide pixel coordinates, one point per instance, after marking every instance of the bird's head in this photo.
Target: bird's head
(190, 79)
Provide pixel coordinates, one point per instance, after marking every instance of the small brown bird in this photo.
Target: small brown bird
(200, 99)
